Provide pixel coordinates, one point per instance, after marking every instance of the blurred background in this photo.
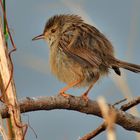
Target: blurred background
(118, 20)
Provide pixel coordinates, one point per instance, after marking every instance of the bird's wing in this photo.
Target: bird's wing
(77, 48)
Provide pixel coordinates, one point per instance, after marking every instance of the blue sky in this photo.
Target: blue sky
(118, 20)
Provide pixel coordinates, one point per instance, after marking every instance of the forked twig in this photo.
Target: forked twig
(103, 126)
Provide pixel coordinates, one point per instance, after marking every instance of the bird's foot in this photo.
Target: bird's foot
(84, 96)
(64, 94)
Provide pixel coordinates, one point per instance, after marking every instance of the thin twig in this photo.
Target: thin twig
(29, 125)
(94, 133)
(130, 104)
(119, 102)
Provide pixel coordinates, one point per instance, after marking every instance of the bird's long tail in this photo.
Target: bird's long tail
(116, 64)
(126, 65)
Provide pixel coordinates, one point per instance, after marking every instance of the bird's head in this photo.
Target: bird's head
(56, 26)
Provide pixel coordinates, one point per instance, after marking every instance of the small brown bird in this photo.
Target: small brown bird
(79, 53)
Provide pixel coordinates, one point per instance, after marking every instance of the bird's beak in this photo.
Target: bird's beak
(38, 37)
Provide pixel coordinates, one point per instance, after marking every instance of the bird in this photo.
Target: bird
(80, 54)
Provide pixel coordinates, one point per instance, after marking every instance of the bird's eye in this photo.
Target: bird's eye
(53, 30)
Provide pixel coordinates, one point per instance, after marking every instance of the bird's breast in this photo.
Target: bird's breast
(63, 67)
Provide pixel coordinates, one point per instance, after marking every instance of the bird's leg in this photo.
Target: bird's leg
(85, 94)
(62, 91)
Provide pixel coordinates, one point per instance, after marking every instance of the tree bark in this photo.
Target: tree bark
(124, 119)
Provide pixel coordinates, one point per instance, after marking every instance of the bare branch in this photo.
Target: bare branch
(126, 120)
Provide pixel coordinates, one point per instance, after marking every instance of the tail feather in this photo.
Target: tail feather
(129, 66)
(117, 70)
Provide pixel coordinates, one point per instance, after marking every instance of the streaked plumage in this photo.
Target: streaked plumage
(79, 51)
